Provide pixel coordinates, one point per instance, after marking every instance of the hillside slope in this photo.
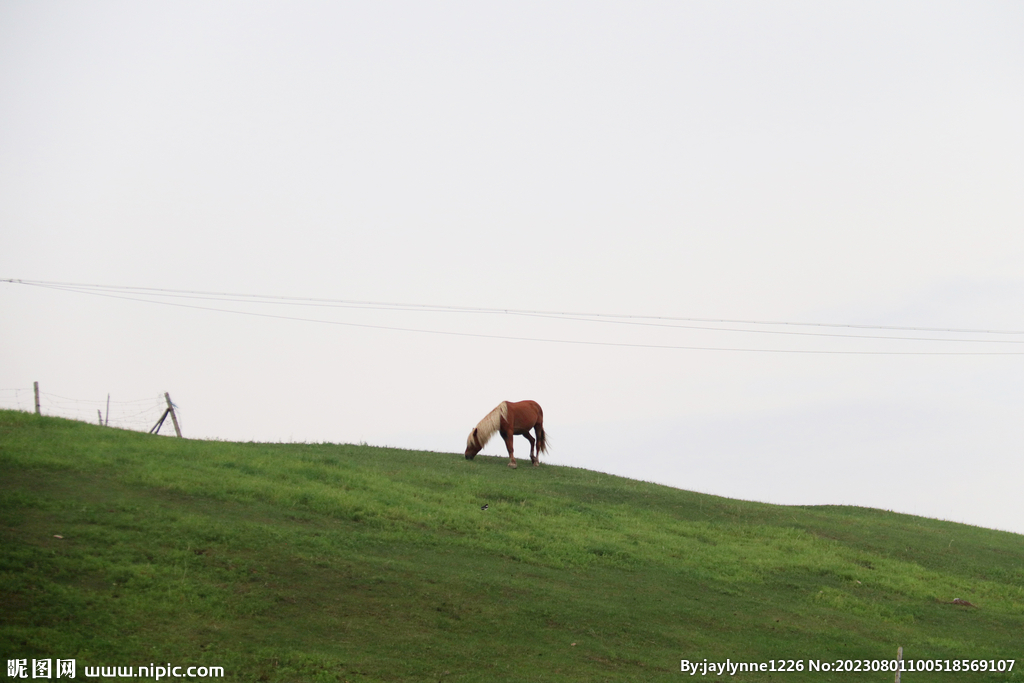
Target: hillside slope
(323, 562)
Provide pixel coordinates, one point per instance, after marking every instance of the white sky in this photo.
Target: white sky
(857, 163)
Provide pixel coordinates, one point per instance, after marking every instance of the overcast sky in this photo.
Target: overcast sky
(856, 163)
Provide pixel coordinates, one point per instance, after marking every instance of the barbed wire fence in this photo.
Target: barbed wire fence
(139, 415)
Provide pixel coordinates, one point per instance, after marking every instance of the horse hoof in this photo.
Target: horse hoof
(512, 465)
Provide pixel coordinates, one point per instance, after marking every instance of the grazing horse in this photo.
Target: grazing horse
(509, 419)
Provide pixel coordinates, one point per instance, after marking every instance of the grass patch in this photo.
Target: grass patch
(325, 562)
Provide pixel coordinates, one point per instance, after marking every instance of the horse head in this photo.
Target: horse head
(473, 445)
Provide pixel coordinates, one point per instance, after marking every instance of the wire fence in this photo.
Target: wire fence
(138, 415)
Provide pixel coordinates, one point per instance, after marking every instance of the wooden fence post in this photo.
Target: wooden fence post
(899, 662)
(106, 423)
(170, 409)
(99, 414)
(36, 387)
(159, 423)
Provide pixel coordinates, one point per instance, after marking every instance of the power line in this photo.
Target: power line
(785, 332)
(603, 319)
(134, 294)
(383, 305)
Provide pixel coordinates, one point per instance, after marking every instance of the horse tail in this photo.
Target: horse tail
(542, 439)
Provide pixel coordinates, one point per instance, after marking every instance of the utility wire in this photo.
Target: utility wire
(134, 294)
(580, 317)
(547, 340)
(785, 332)
(382, 305)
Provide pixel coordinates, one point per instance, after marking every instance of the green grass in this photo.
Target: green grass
(324, 562)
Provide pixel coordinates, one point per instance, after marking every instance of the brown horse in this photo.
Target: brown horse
(509, 419)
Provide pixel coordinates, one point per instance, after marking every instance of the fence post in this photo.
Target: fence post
(35, 385)
(170, 409)
(99, 414)
(899, 662)
(159, 423)
(106, 423)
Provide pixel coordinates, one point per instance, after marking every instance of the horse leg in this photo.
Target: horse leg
(533, 458)
(508, 444)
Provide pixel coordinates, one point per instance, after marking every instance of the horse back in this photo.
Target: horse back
(524, 415)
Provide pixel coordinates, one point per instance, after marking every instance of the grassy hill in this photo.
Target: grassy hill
(325, 562)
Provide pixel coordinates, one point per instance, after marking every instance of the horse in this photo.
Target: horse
(509, 419)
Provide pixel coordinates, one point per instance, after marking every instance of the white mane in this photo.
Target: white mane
(487, 426)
